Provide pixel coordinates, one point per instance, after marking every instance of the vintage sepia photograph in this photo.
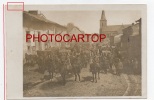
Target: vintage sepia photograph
(82, 53)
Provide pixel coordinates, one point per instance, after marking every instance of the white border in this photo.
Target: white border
(150, 35)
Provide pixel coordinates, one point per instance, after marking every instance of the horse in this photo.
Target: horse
(61, 66)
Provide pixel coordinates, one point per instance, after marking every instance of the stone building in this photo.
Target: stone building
(110, 30)
(131, 41)
(36, 23)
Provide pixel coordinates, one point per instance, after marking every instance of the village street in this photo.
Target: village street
(108, 85)
(119, 53)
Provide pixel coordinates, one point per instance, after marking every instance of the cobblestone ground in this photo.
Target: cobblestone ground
(108, 85)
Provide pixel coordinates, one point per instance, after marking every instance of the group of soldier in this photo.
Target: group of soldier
(66, 61)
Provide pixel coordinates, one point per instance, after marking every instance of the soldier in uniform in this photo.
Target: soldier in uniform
(119, 67)
(76, 67)
(95, 68)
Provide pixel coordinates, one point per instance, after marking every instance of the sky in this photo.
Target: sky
(89, 21)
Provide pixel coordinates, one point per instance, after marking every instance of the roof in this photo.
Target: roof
(40, 17)
(117, 28)
(103, 16)
(77, 29)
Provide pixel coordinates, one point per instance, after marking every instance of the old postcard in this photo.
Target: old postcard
(76, 51)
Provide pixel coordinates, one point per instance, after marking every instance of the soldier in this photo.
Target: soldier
(95, 69)
(68, 64)
(49, 69)
(106, 65)
(114, 71)
(119, 67)
(76, 67)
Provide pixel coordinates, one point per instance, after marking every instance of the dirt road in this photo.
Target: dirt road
(108, 85)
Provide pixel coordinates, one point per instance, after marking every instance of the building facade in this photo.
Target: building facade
(36, 23)
(110, 30)
(131, 41)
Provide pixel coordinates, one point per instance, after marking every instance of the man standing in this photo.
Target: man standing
(94, 68)
(119, 67)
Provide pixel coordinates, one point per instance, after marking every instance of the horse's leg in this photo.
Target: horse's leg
(78, 76)
(95, 77)
(98, 75)
(75, 76)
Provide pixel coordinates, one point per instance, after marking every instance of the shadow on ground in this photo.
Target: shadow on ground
(55, 84)
(87, 78)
